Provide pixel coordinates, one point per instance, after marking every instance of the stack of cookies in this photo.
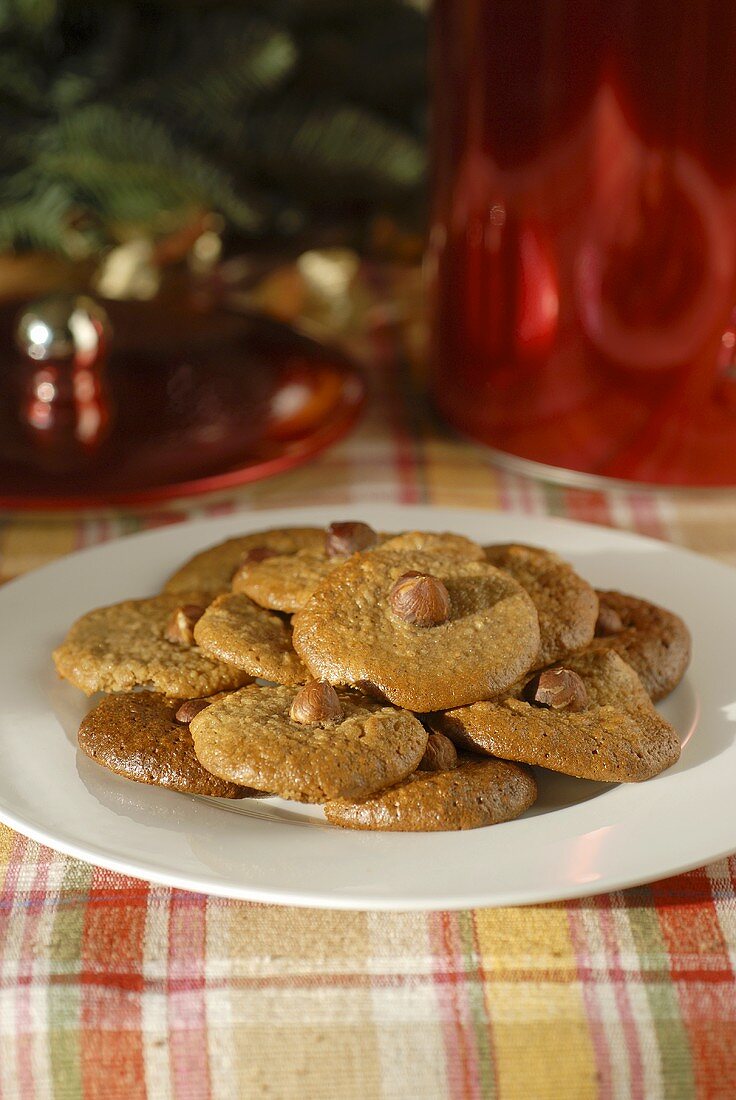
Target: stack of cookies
(404, 681)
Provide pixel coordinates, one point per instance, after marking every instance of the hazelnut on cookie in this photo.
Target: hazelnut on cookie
(591, 719)
(309, 744)
(426, 632)
(655, 642)
(144, 643)
(141, 736)
(285, 581)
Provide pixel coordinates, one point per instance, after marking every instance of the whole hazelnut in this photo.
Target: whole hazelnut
(189, 708)
(608, 622)
(316, 702)
(557, 688)
(420, 599)
(344, 539)
(440, 754)
(180, 627)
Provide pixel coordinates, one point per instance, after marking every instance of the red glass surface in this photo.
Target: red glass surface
(185, 401)
(581, 263)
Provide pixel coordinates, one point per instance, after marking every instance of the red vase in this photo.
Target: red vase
(581, 263)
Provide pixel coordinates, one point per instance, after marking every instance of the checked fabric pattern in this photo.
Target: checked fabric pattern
(115, 989)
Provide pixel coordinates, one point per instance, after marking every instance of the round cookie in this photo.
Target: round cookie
(349, 634)
(617, 738)
(284, 582)
(124, 646)
(477, 792)
(250, 738)
(655, 642)
(446, 544)
(136, 735)
(211, 571)
(566, 604)
(238, 631)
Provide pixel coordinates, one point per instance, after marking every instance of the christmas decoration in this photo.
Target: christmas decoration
(122, 120)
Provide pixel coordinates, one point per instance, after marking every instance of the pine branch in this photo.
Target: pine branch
(206, 99)
(130, 170)
(335, 146)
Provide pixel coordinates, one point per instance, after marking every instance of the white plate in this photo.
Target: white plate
(580, 838)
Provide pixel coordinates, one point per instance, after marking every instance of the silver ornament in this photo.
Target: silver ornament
(63, 326)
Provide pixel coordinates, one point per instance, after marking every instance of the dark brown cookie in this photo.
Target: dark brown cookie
(566, 604)
(354, 748)
(137, 735)
(354, 630)
(477, 792)
(235, 630)
(618, 737)
(655, 642)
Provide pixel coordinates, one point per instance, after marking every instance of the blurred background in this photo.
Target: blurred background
(273, 123)
(195, 170)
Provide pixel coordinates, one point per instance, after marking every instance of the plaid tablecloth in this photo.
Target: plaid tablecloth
(113, 988)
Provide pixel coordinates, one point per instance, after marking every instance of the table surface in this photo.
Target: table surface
(114, 988)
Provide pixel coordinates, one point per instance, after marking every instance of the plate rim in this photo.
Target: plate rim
(225, 526)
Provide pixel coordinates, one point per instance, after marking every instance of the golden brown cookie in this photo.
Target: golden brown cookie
(350, 633)
(236, 630)
(137, 735)
(446, 544)
(211, 571)
(251, 738)
(618, 737)
(285, 582)
(566, 604)
(124, 646)
(477, 792)
(655, 642)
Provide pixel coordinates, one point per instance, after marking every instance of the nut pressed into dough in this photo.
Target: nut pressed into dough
(124, 646)
(349, 634)
(618, 738)
(249, 738)
(655, 642)
(136, 735)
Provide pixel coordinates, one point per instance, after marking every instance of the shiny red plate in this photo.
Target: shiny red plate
(198, 401)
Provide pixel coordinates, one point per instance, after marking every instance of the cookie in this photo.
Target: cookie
(124, 646)
(447, 544)
(285, 582)
(235, 630)
(477, 792)
(349, 751)
(655, 642)
(137, 735)
(211, 571)
(617, 736)
(567, 605)
(350, 633)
